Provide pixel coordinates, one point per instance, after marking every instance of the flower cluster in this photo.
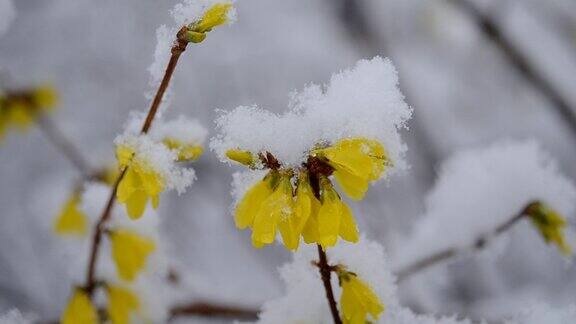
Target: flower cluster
(313, 209)
(21, 108)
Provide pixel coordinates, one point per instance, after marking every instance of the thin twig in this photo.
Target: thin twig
(325, 273)
(178, 48)
(206, 309)
(520, 62)
(64, 145)
(448, 253)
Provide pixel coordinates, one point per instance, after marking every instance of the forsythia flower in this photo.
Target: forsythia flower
(550, 224)
(121, 302)
(130, 251)
(186, 152)
(357, 299)
(356, 162)
(20, 109)
(333, 219)
(71, 220)
(79, 310)
(215, 16)
(140, 182)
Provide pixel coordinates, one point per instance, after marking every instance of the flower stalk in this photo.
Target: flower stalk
(177, 49)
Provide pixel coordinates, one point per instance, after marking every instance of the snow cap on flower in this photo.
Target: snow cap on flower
(186, 136)
(479, 189)
(150, 171)
(361, 102)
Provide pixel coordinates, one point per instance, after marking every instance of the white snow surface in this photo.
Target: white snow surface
(479, 189)
(363, 101)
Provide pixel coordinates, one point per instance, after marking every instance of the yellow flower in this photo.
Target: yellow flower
(186, 151)
(139, 184)
(306, 209)
(243, 157)
(121, 302)
(357, 299)
(334, 219)
(20, 114)
(276, 211)
(250, 204)
(79, 310)
(356, 162)
(215, 16)
(130, 251)
(71, 220)
(550, 224)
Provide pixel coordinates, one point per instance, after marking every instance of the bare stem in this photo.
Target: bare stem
(64, 145)
(178, 48)
(520, 62)
(448, 253)
(325, 273)
(206, 309)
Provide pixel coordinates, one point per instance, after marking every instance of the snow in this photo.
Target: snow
(479, 189)
(363, 101)
(183, 129)
(14, 316)
(161, 159)
(190, 11)
(543, 313)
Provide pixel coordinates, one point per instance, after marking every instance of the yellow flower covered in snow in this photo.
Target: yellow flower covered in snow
(121, 302)
(21, 109)
(186, 151)
(357, 299)
(215, 16)
(550, 224)
(139, 184)
(130, 251)
(71, 220)
(356, 162)
(79, 309)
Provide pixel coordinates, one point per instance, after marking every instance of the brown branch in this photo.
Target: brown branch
(448, 253)
(519, 61)
(178, 48)
(64, 145)
(325, 273)
(206, 309)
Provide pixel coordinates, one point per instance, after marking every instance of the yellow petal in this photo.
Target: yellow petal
(79, 310)
(355, 187)
(305, 201)
(243, 157)
(20, 115)
(358, 300)
(124, 155)
(136, 204)
(71, 220)
(215, 16)
(186, 151)
(348, 228)
(329, 215)
(130, 251)
(551, 226)
(278, 206)
(358, 160)
(250, 204)
(121, 302)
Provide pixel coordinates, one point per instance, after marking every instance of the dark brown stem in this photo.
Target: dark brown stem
(520, 62)
(206, 309)
(448, 253)
(64, 145)
(178, 48)
(325, 273)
